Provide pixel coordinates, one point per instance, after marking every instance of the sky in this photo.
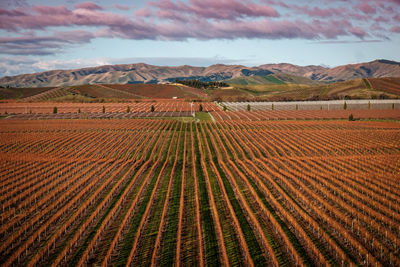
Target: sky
(41, 35)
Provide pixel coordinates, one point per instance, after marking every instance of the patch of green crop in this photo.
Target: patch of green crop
(272, 79)
(203, 116)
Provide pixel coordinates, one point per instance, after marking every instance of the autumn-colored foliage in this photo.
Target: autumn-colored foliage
(239, 191)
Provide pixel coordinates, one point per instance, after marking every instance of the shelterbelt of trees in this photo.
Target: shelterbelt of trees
(200, 84)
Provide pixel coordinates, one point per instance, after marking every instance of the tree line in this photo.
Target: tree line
(202, 85)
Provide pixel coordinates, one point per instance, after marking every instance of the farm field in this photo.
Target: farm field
(140, 106)
(19, 93)
(140, 192)
(277, 87)
(94, 93)
(371, 88)
(334, 109)
(304, 115)
(389, 85)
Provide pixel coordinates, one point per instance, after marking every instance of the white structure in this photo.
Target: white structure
(191, 109)
(315, 105)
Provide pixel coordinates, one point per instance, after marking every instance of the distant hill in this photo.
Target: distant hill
(365, 88)
(277, 87)
(144, 73)
(375, 69)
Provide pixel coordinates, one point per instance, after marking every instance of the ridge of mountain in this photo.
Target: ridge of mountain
(145, 73)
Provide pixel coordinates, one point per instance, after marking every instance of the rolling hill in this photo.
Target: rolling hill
(366, 88)
(102, 93)
(144, 73)
(250, 88)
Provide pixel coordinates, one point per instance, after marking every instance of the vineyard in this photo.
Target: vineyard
(135, 107)
(139, 192)
(305, 115)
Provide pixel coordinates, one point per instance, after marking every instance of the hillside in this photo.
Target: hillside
(376, 88)
(276, 78)
(102, 93)
(144, 73)
(376, 69)
(276, 87)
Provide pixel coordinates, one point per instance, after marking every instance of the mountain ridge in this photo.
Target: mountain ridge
(146, 73)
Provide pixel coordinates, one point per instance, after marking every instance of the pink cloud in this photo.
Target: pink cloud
(376, 27)
(360, 33)
(29, 44)
(143, 12)
(197, 19)
(5, 12)
(382, 19)
(366, 8)
(331, 29)
(88, 5)
(166, 14)
(61, 16)
(50, 10)
(395, 29)
(121, 7)
(223, 9)
(359, 16)
(395, 1)
(318, 12)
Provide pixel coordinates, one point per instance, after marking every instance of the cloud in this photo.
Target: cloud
(222, 9)
(10, 66)
(366, 8)
(48, 16)
(29, 44)
(51, 11)
(395, 29)
(318, 12)
(41, 29)
(88, 5)
(143, 12)
(347, 41)
(395, 1)
(121, 7)
(360, 33)
(13, 3)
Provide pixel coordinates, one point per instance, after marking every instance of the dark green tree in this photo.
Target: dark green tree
(152, 108)
(128, 109)
(248, 107)
(55, 110)
(104, 109)
(200, 108)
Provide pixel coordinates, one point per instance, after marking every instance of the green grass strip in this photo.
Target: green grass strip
(209, 236)
(168, 243)
(251, 240)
